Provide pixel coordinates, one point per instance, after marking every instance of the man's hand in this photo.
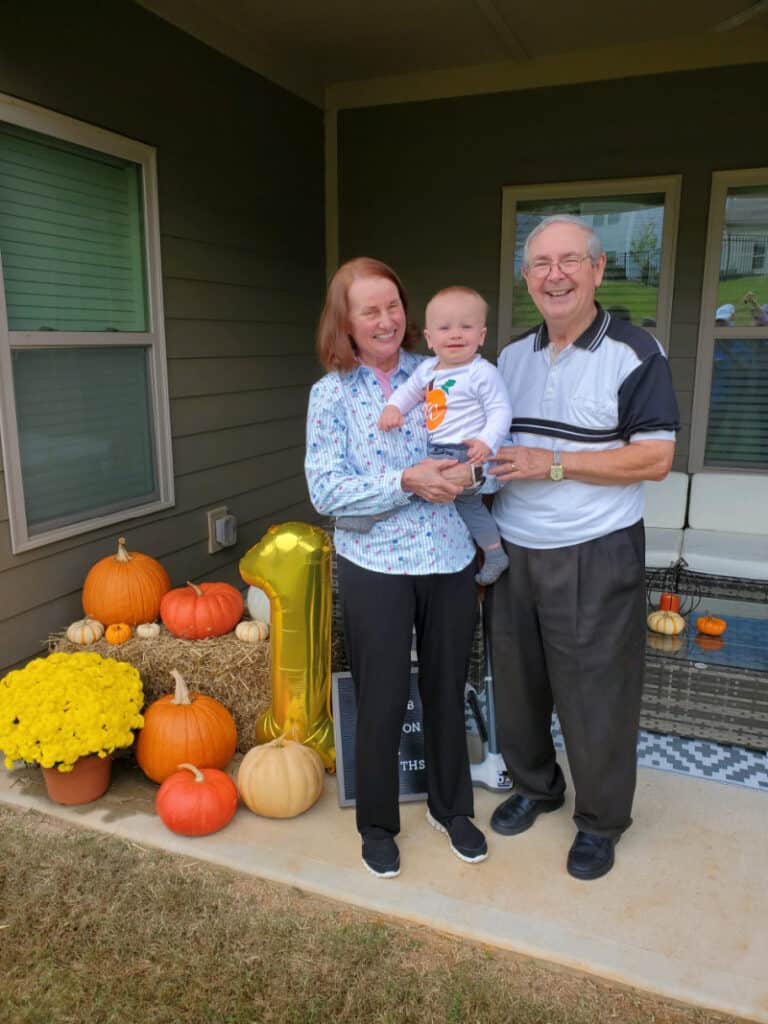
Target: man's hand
(515, 462)
(390, 418)
(477, 450)
(429, 479)
(629, 464)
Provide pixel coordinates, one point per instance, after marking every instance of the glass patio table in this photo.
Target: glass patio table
(713, 688)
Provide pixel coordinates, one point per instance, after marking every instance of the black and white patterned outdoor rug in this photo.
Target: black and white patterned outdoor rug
(702, 759)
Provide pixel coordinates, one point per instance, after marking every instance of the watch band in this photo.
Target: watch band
(556, 469)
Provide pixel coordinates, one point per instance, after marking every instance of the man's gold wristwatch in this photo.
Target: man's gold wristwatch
(556, 469)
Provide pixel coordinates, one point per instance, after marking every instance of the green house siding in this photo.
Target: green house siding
(420, 184)
(240, 173)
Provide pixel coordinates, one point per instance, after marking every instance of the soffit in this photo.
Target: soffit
(338, 52)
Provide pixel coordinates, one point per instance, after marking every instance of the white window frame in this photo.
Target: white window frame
(669, 185)
(27, 115)
(722, 181)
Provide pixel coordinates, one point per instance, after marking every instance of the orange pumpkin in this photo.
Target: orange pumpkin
(196, 804)
(710, 625)
(184, 727)
(118, 633)
(201, 610)
(125, 587)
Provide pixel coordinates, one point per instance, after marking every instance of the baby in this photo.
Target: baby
(467, 407)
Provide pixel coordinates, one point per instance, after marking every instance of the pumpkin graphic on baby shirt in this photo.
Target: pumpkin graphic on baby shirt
(437, 403)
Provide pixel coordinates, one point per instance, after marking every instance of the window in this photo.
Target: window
(636, 221)
(730, 408)
(83, 384)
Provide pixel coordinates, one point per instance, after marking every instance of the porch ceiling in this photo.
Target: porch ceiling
(311, 47)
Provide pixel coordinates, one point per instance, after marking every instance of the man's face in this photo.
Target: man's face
(563, 298)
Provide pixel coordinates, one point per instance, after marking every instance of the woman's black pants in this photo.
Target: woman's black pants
(380, 612)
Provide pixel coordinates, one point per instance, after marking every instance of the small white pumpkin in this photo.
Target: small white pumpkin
(85, 631)
(148, 630)
(258, 604)
(669, 623)
(252, 630)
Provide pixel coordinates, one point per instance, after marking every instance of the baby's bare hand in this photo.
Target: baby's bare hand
(390, 418)
(477, 451)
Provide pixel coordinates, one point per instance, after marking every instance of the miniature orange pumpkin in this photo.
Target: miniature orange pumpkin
(118, 633)
(201, 610)
(196, 802)
(126, 587)
(184, 727)
(711, 625)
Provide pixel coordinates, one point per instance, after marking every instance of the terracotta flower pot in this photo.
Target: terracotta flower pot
(87, 781)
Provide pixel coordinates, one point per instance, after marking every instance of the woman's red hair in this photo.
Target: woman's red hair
(336, 348)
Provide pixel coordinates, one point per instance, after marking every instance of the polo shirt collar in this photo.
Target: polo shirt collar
(589, 340)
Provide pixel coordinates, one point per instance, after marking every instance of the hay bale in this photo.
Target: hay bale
(234, 672)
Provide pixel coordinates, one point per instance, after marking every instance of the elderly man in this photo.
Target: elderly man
(594, 416)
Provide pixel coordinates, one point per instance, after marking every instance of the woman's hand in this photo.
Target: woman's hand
(429, 479)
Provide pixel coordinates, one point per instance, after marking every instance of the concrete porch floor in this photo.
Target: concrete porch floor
(684, 913)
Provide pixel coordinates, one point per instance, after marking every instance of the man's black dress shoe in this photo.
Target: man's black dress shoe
(590, 856)
(519, 812)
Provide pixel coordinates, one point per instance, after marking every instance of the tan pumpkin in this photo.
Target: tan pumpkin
(148, 630)
(185, 727)
(280, 779)
(118, 633)
(85, 631)
(669, 623)
(126, 587)
(252, 631)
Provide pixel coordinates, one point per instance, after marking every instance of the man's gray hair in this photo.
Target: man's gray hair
(594, 245)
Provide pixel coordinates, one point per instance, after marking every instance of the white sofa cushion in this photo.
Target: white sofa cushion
(665, 501)
(744, 555)
(662, 547)
(731, 502)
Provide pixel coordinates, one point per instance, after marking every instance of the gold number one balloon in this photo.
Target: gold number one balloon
(292, 565)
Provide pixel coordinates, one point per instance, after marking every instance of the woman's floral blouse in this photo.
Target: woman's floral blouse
(353, 468)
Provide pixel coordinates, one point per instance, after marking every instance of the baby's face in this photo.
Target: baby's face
(455, 328)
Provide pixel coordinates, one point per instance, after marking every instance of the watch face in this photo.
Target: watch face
(556, 472)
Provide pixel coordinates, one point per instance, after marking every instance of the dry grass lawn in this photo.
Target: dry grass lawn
(97, 930)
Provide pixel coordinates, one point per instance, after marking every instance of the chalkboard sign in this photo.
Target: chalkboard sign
(413, 772)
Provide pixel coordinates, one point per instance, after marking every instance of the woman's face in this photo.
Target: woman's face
(376, 320)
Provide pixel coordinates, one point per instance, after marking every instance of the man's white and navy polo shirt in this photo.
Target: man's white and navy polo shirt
(610, 387)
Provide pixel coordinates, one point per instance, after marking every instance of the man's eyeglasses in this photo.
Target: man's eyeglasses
(567, 265)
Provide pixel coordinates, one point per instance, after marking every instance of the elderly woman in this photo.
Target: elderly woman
(405, 560)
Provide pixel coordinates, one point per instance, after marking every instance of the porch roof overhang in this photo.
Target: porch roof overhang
(342, 54)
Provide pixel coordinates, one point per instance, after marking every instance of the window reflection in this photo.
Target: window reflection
(743, 283)
(630, 228)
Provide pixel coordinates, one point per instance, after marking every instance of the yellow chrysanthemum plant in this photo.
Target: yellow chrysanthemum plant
(66, 706)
